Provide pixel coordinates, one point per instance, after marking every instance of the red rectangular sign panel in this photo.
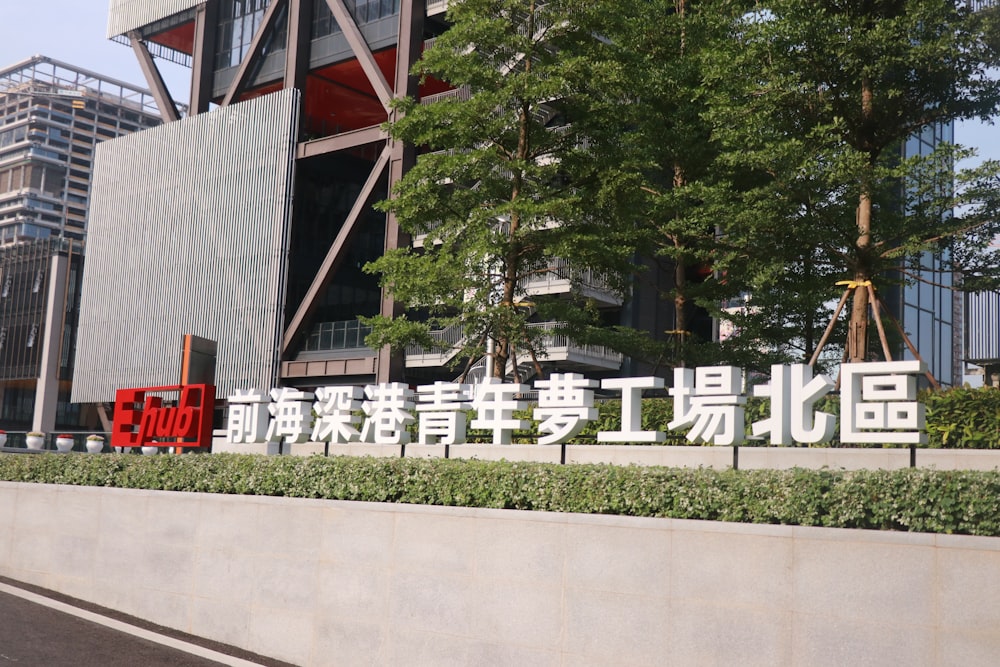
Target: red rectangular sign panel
(142, 420)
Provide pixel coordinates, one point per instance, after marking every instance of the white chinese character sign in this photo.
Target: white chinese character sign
(793, 392)
(709, 400)
(878, 404)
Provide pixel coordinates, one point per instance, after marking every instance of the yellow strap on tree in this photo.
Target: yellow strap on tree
(853, 284)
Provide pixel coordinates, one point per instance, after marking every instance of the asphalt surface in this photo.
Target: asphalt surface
(48, 630)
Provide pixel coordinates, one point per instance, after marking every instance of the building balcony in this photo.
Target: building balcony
(421, 357)
(566, 354)
(559, 277)
(333, 349)
(570, 355)
(330, 336)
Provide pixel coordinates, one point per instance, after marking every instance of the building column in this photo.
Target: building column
(47, 387)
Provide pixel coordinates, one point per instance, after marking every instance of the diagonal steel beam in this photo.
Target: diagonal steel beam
(256, 46)
(335, 255)
(164, 102)
(361, 51)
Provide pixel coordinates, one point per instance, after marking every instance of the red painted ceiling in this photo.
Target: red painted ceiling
(178, 38)
(338, 97)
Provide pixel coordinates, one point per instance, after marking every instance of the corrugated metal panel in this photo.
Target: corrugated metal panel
(125, 15)
(983, 322)
(188, 233)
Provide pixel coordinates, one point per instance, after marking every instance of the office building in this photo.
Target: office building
(247, 220)
(52, 116)
(256, 206)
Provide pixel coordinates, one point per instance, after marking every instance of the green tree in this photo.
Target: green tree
(659, 136)
(694, 202)
(821, 95)
(510, 183)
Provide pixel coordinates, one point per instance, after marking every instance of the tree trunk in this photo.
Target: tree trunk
(512, 257)
(681, 332)
(857, 336)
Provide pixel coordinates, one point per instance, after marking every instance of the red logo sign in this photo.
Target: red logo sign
(142, 420)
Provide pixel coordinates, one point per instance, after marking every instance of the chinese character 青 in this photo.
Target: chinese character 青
(441, 409)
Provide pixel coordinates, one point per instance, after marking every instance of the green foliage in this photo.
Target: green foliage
(815, 100)
(909, 500)
(509, 186)
(963, 418)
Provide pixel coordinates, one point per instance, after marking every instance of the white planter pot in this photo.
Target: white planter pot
(64, 444)
(34, 441)
(149, 451)
(3, 439)
(95, 446)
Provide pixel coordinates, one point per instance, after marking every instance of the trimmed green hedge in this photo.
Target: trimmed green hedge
(958, 418)
(911, 500)
(963, 418)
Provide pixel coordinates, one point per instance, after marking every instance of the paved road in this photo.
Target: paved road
(39, 631)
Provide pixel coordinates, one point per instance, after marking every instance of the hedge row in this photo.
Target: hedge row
(910, 500)
(959, 418)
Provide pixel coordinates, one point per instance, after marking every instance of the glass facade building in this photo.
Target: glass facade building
(927, 308)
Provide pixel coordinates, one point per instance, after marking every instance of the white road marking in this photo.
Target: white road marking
(127, 628)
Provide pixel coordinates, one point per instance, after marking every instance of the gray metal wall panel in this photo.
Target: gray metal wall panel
(125, 15)
(188, 233)
(983, 322)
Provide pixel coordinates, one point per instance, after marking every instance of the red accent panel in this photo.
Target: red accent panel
(178, 38)
(189, 423)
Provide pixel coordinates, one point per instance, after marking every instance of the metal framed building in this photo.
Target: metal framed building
(249, 219)
(52, 117)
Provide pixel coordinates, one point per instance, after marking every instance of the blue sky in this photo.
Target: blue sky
(74, 31)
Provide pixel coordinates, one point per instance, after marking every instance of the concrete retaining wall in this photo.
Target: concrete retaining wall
(318, 582)
(720, 458)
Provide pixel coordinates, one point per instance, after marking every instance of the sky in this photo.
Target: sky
(74, 31)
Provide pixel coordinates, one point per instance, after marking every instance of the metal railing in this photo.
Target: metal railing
(452, 336)
(558, 340)
(559, 270)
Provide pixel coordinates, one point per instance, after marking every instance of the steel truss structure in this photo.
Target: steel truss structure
(347, 60)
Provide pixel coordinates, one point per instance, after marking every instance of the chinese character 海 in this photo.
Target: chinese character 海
(291, 415)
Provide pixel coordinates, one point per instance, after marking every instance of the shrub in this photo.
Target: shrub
(911, 500)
